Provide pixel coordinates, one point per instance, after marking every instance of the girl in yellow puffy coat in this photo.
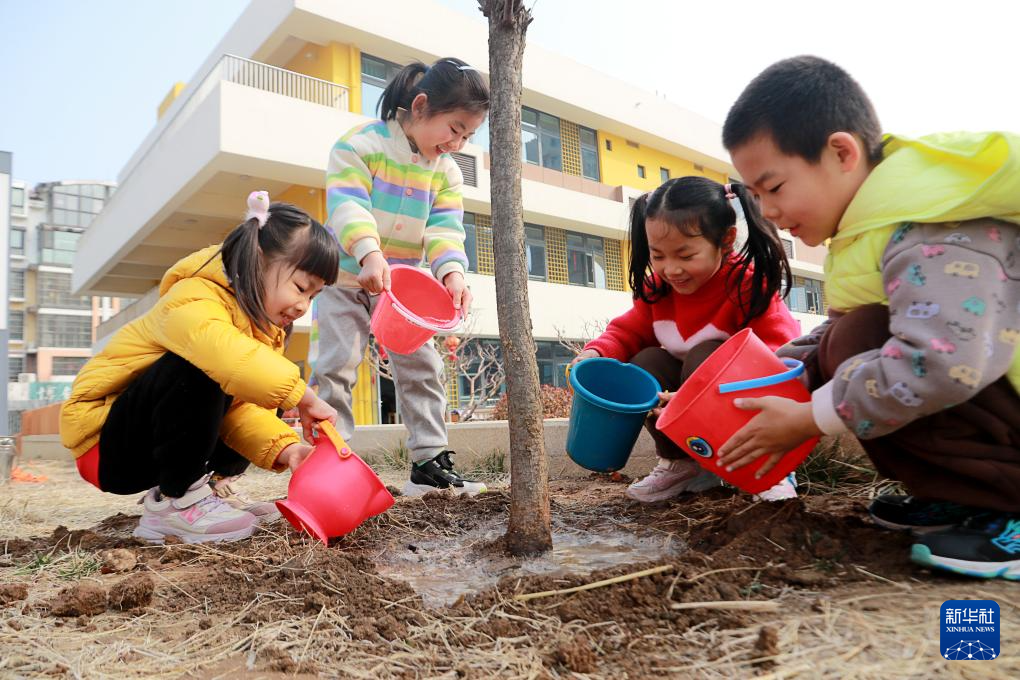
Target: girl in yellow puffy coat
(191, 389)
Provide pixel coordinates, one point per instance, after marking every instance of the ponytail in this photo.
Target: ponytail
(763, 250)
(449, 84)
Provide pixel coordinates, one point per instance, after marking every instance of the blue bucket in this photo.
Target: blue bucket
(611, 400)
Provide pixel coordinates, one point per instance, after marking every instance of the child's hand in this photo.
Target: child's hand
(782, 425)
(292, 456)
(375, 273)
(313, 410)
(585, 354)
(459, 291)
(664, 398)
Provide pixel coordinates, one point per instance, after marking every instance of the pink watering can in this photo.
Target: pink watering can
(333, 491)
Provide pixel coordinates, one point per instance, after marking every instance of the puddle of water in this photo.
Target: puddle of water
(441, 570)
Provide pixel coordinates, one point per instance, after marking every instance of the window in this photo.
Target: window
(471, 242)
(17, 241)
(16, 284)
(58, 330)
(805, 296)
(534, 240)
(641, 171)
(609, 145)
(664, 174)
(58, 247)
(375, 73)
(589, 154)
(18, 199)
(54, 290)
(483, 381)
(75, 205)
(540, 139)
(552, 358)
(68, 365)
(16, 324)
(586, 261)
(15, 365)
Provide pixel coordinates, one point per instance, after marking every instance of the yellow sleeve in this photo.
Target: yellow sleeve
(257, 434)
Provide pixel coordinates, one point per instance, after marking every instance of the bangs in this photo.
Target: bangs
(317, 253)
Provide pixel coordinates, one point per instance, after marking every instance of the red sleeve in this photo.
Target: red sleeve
(776, 326)
(627, 334)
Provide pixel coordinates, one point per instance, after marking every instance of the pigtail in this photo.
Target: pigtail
(242, 261)
(763, 253)
(642, 281)
(401, 91)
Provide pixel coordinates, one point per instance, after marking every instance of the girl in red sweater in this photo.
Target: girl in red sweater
(692, 291)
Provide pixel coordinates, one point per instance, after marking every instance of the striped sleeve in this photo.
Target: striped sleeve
(444, 229)
(349, 200)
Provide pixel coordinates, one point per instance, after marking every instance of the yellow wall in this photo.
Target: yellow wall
(309, 199)
(336, 62)
(619, 166)
(365, 397)
(169, 99)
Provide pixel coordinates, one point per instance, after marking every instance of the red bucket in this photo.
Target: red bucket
(415, 308)
(701, 417)
(333, 491)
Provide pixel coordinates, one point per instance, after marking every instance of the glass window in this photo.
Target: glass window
(481, 136)
(68, 365)
(17, 241)
(534, 238)
(375, 73)
(16, 283)
(54, 290)
(471, 242)
(641, 171)
(586, 260)
(15, 365)
(540, 139)
(16, 324)
(552, 359)
(589, 154)
(58, 247)
(65, 331)
(18, 198)
(664, 174)
(805, 296)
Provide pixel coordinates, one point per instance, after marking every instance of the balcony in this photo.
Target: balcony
(243, 126)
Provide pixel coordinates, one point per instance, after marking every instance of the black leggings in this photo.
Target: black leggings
(164, 430)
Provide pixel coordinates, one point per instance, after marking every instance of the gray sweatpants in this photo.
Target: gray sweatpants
(344, 315)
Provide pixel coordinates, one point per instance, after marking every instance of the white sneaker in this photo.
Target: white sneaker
(782, 491)
(264, 511)
(196, 517)
(671, 478)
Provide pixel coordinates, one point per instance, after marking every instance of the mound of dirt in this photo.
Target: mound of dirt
(79, 599)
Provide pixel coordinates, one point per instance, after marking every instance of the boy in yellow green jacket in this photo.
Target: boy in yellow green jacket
(919, 358)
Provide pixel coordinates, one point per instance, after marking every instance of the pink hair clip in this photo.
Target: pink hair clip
(258, 207)
(729, 192)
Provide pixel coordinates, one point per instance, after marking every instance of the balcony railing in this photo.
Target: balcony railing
(249, 73)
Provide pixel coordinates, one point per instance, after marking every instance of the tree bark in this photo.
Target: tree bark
(529, 531)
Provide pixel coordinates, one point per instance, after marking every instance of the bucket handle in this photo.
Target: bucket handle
(796, 369)
(326, 428)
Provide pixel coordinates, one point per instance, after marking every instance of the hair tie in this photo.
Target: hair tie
(258, 207)
(728, 188)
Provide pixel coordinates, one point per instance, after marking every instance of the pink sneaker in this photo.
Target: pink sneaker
(196, 517)
(224, 487)
(782, 491)
(671, 478)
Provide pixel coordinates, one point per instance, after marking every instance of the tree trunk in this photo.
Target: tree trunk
(529, 531)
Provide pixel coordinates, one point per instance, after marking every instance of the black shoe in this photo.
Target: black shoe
(438, 474)
(986, 546)
(906, 513)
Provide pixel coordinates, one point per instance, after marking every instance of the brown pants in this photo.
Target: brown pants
(671, 374)
(968, 454)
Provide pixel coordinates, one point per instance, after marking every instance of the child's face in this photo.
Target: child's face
(289, 292)
(442, 133)
(685, 262)
(806, 199)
